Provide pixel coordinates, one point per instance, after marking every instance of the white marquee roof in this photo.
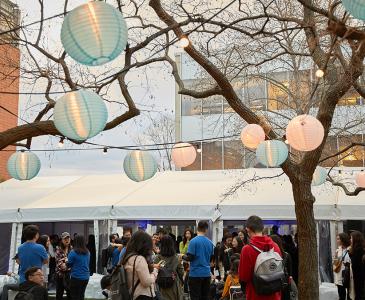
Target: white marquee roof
(168, 196)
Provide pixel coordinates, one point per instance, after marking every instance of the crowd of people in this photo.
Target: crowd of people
(249, 264)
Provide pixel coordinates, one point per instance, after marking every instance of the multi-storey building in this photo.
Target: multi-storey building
(279, 96)
(9, 76)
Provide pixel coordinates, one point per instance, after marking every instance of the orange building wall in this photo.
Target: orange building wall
(9, 82)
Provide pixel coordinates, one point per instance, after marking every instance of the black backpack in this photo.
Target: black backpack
(25, 295)
(119, 284)
(166, 278)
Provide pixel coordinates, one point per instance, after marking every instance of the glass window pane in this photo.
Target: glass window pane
(190, 106)
(233, 155)
(212, 155)
(354, 156)
(329, 149)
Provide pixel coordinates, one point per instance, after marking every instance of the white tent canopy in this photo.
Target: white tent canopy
(168, 196)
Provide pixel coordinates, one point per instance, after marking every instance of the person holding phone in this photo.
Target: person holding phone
(170, 277)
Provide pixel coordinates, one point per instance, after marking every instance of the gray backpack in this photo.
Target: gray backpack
(268, 275)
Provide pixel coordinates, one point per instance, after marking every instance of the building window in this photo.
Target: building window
(234, 155)
(353, 157)
(190, 106)
(350, 98)
(212, 155)
(212, 105)
(255, 93)
(330, 148)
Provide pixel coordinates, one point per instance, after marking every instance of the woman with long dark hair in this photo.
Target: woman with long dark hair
(62, 271)
(342, 257)
(141, 274)
(184, 244)
(357, 251)
(45, 242)
(237, 245)
(170, 287)
(79, 261)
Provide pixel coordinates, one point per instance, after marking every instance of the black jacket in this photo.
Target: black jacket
(358, 270)
(39, 292)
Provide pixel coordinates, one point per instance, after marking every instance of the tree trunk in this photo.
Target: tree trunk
(308, 285)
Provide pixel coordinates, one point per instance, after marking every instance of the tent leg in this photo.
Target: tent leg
(149, 229)
(12, 247)
(217, 231)
(97, 242)
(333, 235)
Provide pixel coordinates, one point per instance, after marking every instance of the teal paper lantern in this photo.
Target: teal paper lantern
(80, 115)
(94, 33)
(319, 176)
(272, 153)
(139, 165)
(355, 7)
(23, 165)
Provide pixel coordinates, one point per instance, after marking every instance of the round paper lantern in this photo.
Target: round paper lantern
(94, 33)
(272, 153)
(355, 7)
(319, 176)
(23, 165)
(252, 135)
(304, 133)
(80, 115)
(139, 165)
(183, 154)
(360, 179)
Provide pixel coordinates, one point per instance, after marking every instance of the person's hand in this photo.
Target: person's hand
(156, 266)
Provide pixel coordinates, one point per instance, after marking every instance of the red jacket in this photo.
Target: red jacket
(247, 265)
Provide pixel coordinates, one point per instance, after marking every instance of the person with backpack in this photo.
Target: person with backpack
(170, 275)
(62, 271)
(200, 254)
(107, 254)
(32, 288)
(341, 258)
(261, 265)
(140, 273)
(31, 254)
(79, 262)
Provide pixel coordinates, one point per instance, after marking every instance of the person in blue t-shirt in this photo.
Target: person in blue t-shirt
(31, 254)
(78, 261)
(200, 254)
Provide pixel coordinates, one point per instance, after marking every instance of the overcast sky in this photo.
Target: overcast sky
(157, 94)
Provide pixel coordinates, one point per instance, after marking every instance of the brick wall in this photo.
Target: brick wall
(9, 81)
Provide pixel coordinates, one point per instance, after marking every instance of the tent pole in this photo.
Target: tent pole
(12, 250)
(217, 231)
(97, 237)
(18, 241)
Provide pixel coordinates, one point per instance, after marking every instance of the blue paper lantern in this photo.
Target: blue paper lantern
(272, 153)
(319, 176)
(94, 33)
(23, 165)
(355, 7)
(139, 165)
(80, 115)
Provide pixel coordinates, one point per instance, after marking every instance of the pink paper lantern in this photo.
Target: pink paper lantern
(183, 154)
(252, 135)
(360, 179)
(304, 133)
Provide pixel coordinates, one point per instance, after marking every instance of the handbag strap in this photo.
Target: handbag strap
(133, 271)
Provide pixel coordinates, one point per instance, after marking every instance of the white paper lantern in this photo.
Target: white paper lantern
(360, 179)
(23, 165)
(319, 176)
(80, 115)
(252, 135)
(305, 133)
(139, 165)
(183, 154)
(272, 153)
(94, 33)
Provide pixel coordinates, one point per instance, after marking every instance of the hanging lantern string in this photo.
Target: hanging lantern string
(146, 147)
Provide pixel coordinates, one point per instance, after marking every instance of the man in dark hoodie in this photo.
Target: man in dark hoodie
(34, 284)
(255, 227)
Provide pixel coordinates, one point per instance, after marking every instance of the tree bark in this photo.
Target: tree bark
(308, 285)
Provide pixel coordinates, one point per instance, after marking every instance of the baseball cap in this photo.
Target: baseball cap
(65, 235)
